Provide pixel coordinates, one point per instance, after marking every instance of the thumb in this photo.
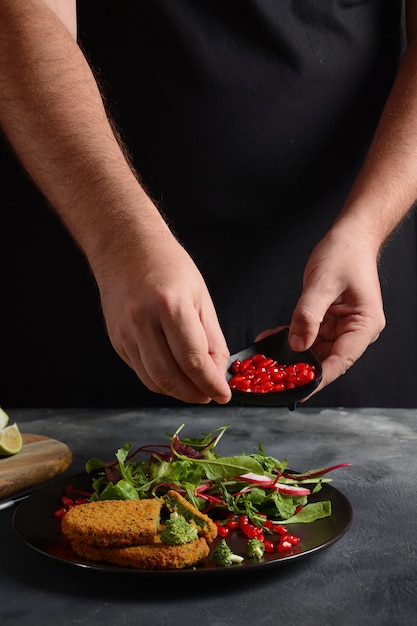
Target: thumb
(307, 317)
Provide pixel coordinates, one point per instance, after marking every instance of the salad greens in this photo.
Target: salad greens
(256, 485)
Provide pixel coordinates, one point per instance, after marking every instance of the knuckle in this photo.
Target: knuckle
(191, 362)
(162, 380)
(304, 316)
(349, 361)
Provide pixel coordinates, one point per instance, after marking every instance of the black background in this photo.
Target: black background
(54, 348)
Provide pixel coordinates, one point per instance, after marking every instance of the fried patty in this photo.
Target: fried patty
(174, 501)
(113, 523)
(153, 556)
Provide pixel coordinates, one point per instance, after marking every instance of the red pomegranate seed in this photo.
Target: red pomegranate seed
(261, 374)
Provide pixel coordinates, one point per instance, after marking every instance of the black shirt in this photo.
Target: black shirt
(248, 121)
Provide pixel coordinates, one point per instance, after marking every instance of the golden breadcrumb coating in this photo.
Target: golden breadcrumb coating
(113, 523)
(127, 532)
(174, 501)
(153, 556)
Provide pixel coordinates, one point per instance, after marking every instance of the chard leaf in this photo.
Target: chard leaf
(122, 453)
(269, 463)
(123, 490)
(311, 512)
(284, 505)
(93, 464)
(228, 466)
(256, 495)
(159, 470)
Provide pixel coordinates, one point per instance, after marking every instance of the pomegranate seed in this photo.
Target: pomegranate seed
(283, 546)
(232, 524)
(222, 531)
(269, 546)
(250, 531)
(261, 374)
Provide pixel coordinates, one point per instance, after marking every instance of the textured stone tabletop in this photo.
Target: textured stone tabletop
(368, 577)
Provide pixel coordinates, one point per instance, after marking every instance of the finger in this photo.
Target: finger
(218, 352)
(333, 366)
(201, 353)
(176, 361)
(130, 353)
(344, 352)
(175, 357)
(308, 315)
(156, 366)
(268, 332)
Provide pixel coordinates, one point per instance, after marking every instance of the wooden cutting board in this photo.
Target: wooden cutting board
(39, 460)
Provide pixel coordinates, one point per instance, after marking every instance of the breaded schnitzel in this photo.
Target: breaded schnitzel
(128, 532)
(174, 501)
(113, 523)
(154, 556)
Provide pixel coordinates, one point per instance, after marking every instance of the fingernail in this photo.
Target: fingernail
(297, 343)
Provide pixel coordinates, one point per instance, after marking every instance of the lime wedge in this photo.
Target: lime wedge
(4, 419)
(10, 440)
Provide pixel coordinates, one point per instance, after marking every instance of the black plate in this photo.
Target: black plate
(276, 346)
(35, 525)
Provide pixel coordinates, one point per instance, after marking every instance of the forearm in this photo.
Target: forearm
(52, 113)
(386, 187)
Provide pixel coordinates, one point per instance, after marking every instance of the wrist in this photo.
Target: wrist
(352, 231)
(114, 225)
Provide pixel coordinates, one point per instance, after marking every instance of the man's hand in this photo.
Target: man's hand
(340, 311)
(162, 322)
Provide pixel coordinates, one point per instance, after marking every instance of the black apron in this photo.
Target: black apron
(248, 122)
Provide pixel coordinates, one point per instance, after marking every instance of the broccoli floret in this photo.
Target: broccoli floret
(178, 531)
(255, 548)
(224, 557)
